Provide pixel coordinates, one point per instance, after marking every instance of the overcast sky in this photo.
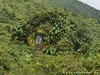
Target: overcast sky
(93, 3)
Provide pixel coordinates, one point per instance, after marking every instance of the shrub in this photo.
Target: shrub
(58, 31)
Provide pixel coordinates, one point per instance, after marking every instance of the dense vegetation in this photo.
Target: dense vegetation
(75, 50)
(76, 6)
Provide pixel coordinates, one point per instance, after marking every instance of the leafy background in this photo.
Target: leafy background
(16, 58)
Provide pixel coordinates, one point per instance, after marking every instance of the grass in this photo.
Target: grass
(16, 58)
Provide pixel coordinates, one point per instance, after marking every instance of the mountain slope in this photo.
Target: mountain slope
(18, 58)
(76, 6)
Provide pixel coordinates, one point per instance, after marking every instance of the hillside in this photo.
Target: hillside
(76, 6)
(69, 42)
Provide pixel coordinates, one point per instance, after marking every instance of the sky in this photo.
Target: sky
(93, 3)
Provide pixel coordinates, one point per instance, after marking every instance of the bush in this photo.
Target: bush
(57, 31)
(6, 16)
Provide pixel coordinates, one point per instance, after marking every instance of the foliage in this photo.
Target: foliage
(76, 6)
(60, 29)
(16, 58)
